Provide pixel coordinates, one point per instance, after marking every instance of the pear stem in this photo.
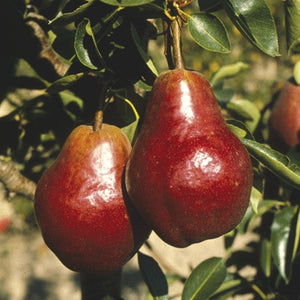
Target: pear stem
(177, 55)
(95, 286)
(98, 120)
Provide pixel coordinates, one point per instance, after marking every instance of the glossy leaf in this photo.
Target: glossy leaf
(126, 2)
(265, 256)
(278, 163)
(228, 288)
(153, 276)
(239, 132)
(63, 83)
(281, 240)
(292, 20)
(81, 49)
(209, 32)
(254, 20)
(205, 279)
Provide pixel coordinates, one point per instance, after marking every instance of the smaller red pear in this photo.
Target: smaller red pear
(80, 205)
(285, 118)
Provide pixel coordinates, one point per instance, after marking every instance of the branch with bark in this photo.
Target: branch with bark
(14, 181)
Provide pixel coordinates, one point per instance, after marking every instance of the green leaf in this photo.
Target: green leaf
(267, 205)
(210, 6)
(278, 163)
(237, 131)
(296, 72)
(229, 287)
(292, 20)
(255, 199)
(85, 43)
(254, 20)
(281, 240)
(130, 130)
(126, 2)
(209, 32)
(297, 234)
(153, 276)
(143, 54)
(68, 97)
(247, 110)
(228, 71)
(244, 225)
(67, 18)
(265, 256)
(63, 83)
(205, 279)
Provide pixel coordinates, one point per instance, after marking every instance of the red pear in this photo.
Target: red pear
(83, 213)
(188, 175)
(285, 118)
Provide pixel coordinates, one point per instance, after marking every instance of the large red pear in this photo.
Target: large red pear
(188, 175)
(80, 205)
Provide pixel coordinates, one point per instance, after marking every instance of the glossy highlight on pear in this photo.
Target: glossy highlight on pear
(81, 207)
(188, 175)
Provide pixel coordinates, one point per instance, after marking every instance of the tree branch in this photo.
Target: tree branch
(14, 181)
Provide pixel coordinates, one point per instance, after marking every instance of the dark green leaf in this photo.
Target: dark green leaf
(244, 225)
(153, 276)
(265, 256)
(70, 17)
(276, 162)
(205, 279)
(209, 32)
(254, 20)
(282, 242)
(126, 2)
(85, 45)
(63, 83)
(228, 288)
(292, 20)
(130, 130)
(223, 95)
(67, 97)
(140, 49)
(246, 110)
(211, 5)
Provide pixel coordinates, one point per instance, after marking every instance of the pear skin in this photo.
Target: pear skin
(285, 118)
(84, 215)
(188, 175)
